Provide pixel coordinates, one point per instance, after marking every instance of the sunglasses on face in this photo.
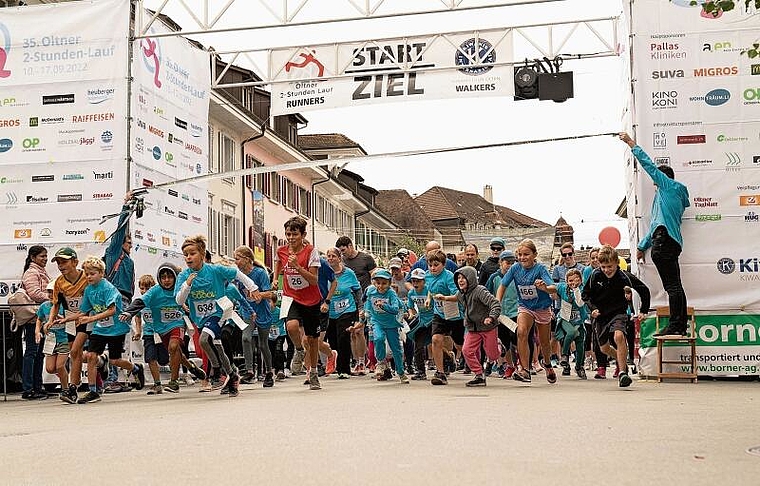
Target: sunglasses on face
(567, 254)
(497, 248)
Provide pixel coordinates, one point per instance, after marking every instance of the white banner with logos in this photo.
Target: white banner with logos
(697, 97)
(172, 81)
(63, 92)
(388, 70)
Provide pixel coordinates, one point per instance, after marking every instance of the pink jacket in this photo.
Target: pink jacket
(35, 282)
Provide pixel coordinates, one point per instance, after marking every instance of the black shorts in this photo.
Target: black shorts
(605, 331)
(115, 345)
(308, 316)
(455, 329)
(80, 328)
(155, 352)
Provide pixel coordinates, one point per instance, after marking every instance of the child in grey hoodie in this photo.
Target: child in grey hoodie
(481, 317)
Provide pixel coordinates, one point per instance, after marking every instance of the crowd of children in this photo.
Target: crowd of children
(440, 313)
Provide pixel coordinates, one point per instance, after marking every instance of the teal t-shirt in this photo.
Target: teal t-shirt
(98, 298)
(343, 301)
(166, 314)
(43, 314)
(209, 285)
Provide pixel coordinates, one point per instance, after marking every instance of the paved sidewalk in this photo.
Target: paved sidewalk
(360, 431)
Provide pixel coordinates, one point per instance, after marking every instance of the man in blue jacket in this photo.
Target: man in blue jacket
(664, 235)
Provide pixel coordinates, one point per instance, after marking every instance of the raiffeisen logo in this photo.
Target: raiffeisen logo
(5, 49)
(151, 50)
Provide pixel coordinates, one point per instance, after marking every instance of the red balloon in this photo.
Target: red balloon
(609, 236)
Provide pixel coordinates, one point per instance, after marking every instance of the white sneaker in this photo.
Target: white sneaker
(189, 380)
(288, 373)
(296, 365)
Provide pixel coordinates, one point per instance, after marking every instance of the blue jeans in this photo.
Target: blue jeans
(665, 253)
(391, 334)
(31, 371)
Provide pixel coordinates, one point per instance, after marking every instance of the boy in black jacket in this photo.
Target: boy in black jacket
(604, 293)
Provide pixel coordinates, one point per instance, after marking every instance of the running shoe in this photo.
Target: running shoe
(439, 379)
(360, 369)
(172, 387)
(205, 387)
(69, 396)
(479, 380)
(601, 373)
(155, 390)
(387, 373)
(139, 376)
(314, 382)
(219, 382)
(225, 388)
(296, 366)
(92, 397)
(509, 371)
(565, 368)
(188, 380)
(404, 379)
(617, 372)
(419, 376)
(234, 383)
(624, 380)
(343, 376)
(198, 373)
(331, 362)
(380, 372)
(248, 378)
(551, 376)
(280, 376)
(268, 380)
(103, 367)
(522, 375)
(581, 372)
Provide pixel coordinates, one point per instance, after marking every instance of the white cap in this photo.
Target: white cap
(418, 274)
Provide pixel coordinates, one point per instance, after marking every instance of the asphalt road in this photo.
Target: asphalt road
(360, 431)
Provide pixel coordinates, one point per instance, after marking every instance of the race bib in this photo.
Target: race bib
(205, 308)
(274, 332)
(566, 310)
(102, 323)
(527, 292)
(341, 305)
(74, 304)
(49, 343)
(170, 315)
(147, 317)
(297, 282)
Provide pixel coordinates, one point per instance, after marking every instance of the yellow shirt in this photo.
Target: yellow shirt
(72, 291)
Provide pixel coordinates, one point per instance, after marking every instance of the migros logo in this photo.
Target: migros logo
(716, 71)
(5, 49)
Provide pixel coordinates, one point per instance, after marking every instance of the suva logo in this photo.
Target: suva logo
(717, 97)
(151, 50)
(5, 49)
(5, 144)
(156, 153)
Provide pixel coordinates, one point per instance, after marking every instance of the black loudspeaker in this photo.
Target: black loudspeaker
(12, 353)
(555, 86)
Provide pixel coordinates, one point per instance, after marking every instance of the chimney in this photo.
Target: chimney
(488, 193)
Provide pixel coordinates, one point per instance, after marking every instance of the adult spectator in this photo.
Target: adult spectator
(398, 278)
(361, 263)
(34, 281)
(664, 236)
(491, 265)
(566, 262)
(422, 262)
(471, 258)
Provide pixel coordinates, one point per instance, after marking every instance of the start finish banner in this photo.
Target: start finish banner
(458, 65)
(697, 99)
(63, 91)
(169, 140)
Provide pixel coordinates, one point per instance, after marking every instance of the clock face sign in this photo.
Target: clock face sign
(469, 53)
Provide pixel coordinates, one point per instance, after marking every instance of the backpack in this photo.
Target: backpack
(23, 308)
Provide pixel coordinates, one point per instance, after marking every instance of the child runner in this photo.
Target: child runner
(152, 354)
(247, 264)
(343, 305)
(419, 306)
(57, 343)
(439, 280)
(533, 282)
(200, 285)
(381, 309)
(481, 317)
(508, 309)
(276, 339)
(101, 304)
(163, 343)
(299, 263)
(570, 317)
(605, 295)
(67, 295)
